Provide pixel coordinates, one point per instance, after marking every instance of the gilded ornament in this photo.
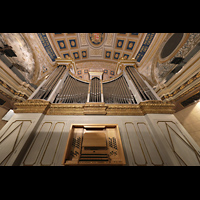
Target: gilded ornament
(143, 108)
(96, 39)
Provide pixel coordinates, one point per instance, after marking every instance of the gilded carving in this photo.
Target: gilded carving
(187, 83)
(96, 39)
(65, 109)
(94, 109)
(33, 106)
(14, 92)
(157, 107)
(143, 108)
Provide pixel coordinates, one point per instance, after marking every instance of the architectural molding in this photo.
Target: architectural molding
(143, 108)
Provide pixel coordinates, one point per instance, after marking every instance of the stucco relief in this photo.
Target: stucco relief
(43, 64)
(24, 60)
(161, 69)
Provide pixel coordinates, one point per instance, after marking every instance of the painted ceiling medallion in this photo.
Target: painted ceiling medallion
(96, 39)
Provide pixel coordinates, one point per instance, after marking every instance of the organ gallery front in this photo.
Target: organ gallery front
(69, 121)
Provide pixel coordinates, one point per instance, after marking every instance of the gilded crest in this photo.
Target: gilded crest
(96, 38)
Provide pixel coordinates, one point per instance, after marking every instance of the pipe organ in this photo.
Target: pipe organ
(95, 90)
(46, 89)
(121, 121)
(75, 91)
(140, 85)
(117, 91)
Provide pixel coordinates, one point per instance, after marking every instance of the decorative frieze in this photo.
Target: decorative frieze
(143, 108)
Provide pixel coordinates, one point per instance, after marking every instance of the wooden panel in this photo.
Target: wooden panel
(183, 149)
(37, 144)
(102, 146)
(150, 145)
(10, 139)
(76, 145)
(112, 141)
(135, 144)
(94, 139)
(53, 143)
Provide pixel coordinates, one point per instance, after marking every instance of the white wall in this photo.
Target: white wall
(189, 117)
(150, 140)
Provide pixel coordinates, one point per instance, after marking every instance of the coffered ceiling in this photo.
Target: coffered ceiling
(97, 46)
(96, 51)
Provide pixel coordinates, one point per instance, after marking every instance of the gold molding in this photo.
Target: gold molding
(78, 78)
(13, 91)
(65, 109)
(124, 62)
(181, 87)
(95, 108)
(123, 109)
(90, 108)
(32, 106)
(157, 107)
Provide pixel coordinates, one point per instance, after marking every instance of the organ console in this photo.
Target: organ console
(94, 145)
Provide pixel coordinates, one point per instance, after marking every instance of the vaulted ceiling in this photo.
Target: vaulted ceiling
(36, 52)
(96, 51)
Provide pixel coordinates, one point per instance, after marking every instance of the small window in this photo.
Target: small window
(171, 44)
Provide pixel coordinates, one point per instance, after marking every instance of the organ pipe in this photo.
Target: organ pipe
(95, 90)
(118, 91)
(140, 85)
(73, 91)
(50, 84)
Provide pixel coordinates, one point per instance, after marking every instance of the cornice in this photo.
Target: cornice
(143, 108)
